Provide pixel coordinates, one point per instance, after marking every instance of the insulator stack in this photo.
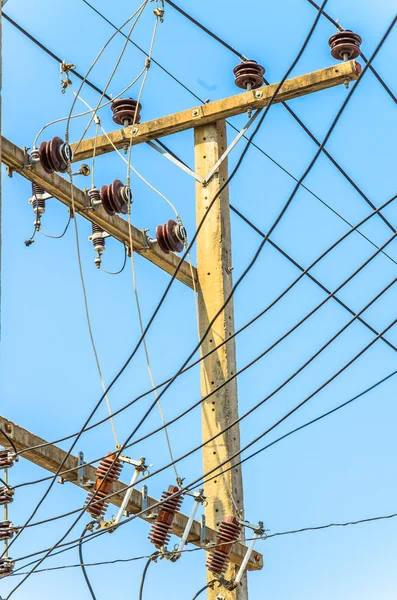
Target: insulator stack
(7, 459)
(6, 495)
(345, 45)
(116, 197)
(55, 155)
(38, 200)
(228, 533)
(160, 532)
(7, 530)
(171, 237)
(249, 75)
(95, 197)
(126, 111)
(109, 467)
(98, 242)
(6, 567)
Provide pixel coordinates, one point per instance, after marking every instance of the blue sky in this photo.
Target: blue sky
(338, 470)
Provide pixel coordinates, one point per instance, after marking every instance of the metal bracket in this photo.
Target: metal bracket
(82, 481)
(231, 146)
(176, 162)
(144, 498)
(203, 531)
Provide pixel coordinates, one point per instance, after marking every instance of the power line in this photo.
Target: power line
(292, 113)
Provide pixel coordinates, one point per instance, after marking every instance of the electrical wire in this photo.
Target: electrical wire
(9, 440)
(279, 439)
(86, 528)
(120, 270)
(57, 237)
(255, 408)
(292, 113)
(137, 12)
(34, 40)
(203, 589)
(151, 559)
(306, 41)
(356, 316)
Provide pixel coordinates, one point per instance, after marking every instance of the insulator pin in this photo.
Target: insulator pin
(345, 45)
(160, 532)
(109, 467)
(55, 155)
(7, 530)
(249, 75)
(126, 112)
(6, 567)
(6, 495)
(228, 533)
(171, 237)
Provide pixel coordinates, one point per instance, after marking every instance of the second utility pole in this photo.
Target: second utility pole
(214, 266)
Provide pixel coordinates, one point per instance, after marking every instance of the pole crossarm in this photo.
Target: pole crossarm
(221, 109)
(15, 159)
(51, 457)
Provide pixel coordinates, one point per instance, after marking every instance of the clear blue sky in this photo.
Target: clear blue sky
(340, 469)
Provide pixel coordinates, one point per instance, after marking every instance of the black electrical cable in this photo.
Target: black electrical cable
(205, 587)
(250, 364)
(9, 440)
(226, 183)
(304, 272)
(292, 113)
(277, 440)
(82, 561)
(205, 479)
(256, 407)
(58, 237)
(122, 268)
(352, 90)
(364, 58)
(203, 102)
(203, 28)
(151, 559)
(190, 550)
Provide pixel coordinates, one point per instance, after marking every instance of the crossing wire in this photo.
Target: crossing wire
(118, 452)
(292, 113)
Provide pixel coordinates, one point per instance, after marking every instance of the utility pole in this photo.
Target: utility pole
(214, 267)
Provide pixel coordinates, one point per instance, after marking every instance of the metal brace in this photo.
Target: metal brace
(82, 481)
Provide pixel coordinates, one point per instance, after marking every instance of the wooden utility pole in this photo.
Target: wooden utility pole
(214, 268)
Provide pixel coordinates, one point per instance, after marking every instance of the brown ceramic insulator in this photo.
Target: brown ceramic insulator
(171, 237)
(124, 110)
(160, 531)
(110, 468)
(55, 155)
(94, 195)
(6, 567)
(6, 495)
(228, 533)
(249, 73)
(6, 459)
(116, 197)
(6, 530)
(98, 242)
(345, 44)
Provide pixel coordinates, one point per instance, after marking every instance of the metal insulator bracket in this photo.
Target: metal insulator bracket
(99, 235)
(82, 479)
